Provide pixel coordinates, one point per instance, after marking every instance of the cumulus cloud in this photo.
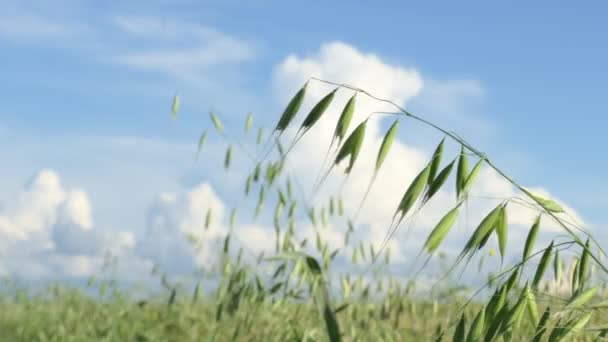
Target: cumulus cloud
(48, 232)
(176, 238)
(35, 208)
(172, 218)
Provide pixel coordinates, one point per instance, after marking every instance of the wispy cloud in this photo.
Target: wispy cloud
(30, 27)
(179, 48)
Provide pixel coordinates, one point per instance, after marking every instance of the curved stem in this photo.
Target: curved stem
(482, 155)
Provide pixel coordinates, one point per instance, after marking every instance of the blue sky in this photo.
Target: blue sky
(87, 87)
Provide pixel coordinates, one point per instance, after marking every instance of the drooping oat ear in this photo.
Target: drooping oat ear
(387, 142)
(436, 161)
(248, 122)
(208, 218)
(485, 227)
(385, 147)
(352, 146)
(317, 111)
(584, 265)
(548, 204)
(557, 267)
(233, 218)
(440, 231)
(201, 143)
(561, 331)
(217, 123)
(531, 238)
(542, 265)
(345, 119)
(468, 184)
(477, 327)
(531, 305)
(312, 216)
(579, 299)
(292, 109)
(248, 184)
(278, 211)
(260, 136)
(413, 192)
(462, 172)
(438, 182)
(175, 106)
(501, 231)
(228, 157)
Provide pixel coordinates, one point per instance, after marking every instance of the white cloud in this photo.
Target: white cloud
(76, 210)
(26, 27)
(174, 216)
(48, 232)
(342, 63)
(179, 49)
(35, 208)
(451, 97)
